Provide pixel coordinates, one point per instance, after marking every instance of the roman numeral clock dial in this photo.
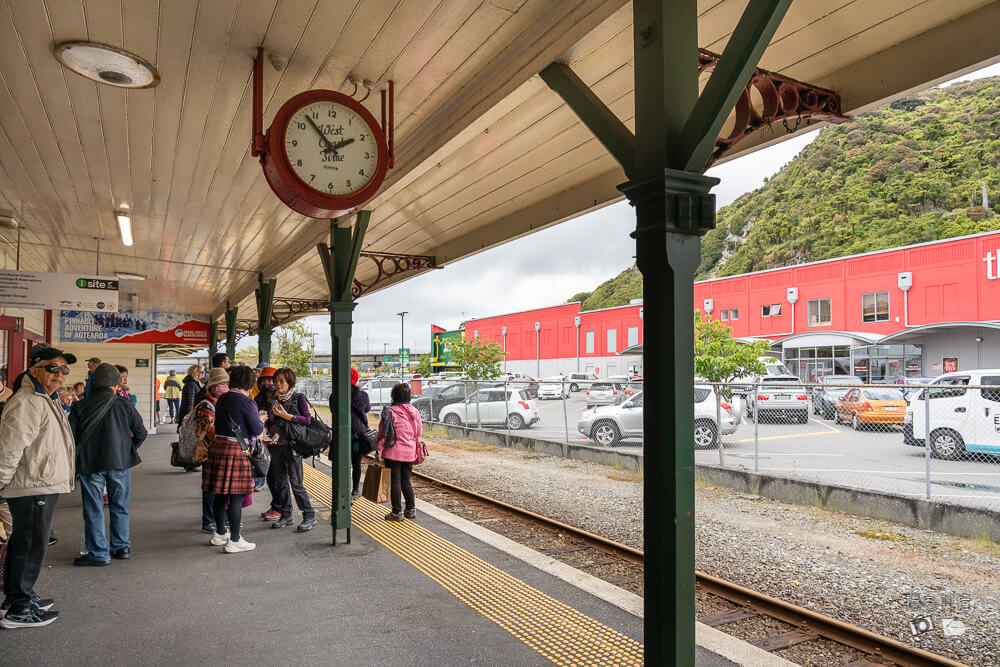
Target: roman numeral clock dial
(326, 154)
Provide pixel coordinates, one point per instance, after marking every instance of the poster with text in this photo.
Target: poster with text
(53, 291)
(133, 326)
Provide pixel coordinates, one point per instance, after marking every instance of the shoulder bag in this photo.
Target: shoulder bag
(387, 428)
(260, 460)
(308, 439)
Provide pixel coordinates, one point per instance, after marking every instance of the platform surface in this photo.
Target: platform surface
(413, 593)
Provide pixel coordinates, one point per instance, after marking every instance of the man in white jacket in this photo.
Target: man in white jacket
(36, 465)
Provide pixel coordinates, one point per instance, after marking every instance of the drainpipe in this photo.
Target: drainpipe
(576, 321)
(503, 329)
(538, 348)
(905, 282)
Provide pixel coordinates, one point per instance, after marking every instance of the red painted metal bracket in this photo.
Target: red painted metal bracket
(772, 98)
(258, 142)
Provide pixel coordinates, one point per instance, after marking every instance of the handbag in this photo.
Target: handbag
(308, 439)
(387, 428)
(378, 483)
(260, 460)
(367, 441)
(422, 452)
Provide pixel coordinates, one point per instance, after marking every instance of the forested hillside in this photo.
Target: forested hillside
(907, 173)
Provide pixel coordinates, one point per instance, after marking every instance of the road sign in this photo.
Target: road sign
(404, 356)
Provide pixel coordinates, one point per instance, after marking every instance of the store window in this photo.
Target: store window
(633, 336)
(820, 313)
(734, 314)
(590, 342)
(875, 307)
(724, 315)
(772, 310)
(612, 340)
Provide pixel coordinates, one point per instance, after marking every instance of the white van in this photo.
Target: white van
(964, 414)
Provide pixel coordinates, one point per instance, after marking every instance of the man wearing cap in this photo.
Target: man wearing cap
(36, 465)
(108, 432)
(92, 364)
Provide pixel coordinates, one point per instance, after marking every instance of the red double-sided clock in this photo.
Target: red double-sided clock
(324, 154)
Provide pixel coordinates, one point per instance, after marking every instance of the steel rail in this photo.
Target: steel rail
(805, 619)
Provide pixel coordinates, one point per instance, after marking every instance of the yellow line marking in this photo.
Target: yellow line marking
(787, 437)
(551, 628)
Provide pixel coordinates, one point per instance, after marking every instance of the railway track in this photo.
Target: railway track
(796, 633)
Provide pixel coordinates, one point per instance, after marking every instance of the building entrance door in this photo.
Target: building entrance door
(810, 370)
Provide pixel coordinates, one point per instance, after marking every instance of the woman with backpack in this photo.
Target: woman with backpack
(192, 387)
(401, 452)
(360, 405)
(286, 465)
(204, 417)
(227, 470)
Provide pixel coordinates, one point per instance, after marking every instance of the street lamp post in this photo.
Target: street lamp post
(402, 343)
(384, 348)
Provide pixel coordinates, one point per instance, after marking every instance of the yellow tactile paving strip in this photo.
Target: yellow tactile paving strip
(553, 629)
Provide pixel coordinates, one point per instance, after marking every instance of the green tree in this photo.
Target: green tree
(424, 367)
(247, 356)
(719, 358)
(479, 359)
(294, 348)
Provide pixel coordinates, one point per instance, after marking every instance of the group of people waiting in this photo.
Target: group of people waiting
(44, 447)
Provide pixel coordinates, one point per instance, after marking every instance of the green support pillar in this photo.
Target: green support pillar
(265, 309)
(340, 261)
(231, 331)
(213, 341)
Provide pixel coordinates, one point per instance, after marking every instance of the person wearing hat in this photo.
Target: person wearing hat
(172, 392)
(204, 415)
(36, 466)
(108, 432)
(92, 364)
(360, 405)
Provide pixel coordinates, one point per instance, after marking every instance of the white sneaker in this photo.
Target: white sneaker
(242, 545)
(219, 540)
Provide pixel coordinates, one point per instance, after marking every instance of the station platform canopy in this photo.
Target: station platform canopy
(485, 151)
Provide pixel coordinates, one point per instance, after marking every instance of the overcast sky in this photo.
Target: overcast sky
(542, 269)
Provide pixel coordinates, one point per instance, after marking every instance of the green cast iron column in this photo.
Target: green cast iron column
(340, 261)
(265, 309)
(231, 331)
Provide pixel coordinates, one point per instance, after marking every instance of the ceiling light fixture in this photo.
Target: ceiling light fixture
(107, 64)
(125, 227)
(8, 222)
(130, 276)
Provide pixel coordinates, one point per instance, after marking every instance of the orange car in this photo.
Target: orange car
(871, 405)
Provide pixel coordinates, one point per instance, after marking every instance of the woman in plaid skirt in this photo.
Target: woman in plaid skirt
(227, 470)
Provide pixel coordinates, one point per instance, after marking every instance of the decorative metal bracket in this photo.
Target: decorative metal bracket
(771, 98)
(390, 265)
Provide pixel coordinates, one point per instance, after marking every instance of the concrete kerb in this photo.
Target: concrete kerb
(908, 511)
(499, 438)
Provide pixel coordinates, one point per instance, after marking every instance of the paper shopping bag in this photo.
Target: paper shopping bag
(378, 481)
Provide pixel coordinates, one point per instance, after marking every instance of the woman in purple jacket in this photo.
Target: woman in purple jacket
(286, 464)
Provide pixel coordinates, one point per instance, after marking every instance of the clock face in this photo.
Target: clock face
(331, 148)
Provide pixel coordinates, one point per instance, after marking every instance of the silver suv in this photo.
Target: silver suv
(579, 380)
(605, 393)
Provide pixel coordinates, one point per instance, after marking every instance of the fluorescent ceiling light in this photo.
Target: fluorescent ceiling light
(125, 227)
(130, 276)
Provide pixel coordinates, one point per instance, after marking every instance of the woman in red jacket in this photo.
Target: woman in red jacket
(400, 454)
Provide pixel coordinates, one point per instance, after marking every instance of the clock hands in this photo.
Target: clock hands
(341, 144)
(329, 146)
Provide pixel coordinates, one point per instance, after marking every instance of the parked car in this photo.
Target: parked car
(831, 388)
(779, 396)
(605, 393)
(910, 386)
(526, 383)
(430, 406)
(871, 405)
(579, 380)
(962, 419)
(608, 425)
(553, 387)
(497, 407)
(380, 390)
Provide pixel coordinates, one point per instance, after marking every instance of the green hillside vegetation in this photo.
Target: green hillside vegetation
(907, 173)
(617, 291)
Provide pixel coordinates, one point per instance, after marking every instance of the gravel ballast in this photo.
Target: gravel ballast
(871, 573)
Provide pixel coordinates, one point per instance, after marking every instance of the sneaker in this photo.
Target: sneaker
(307, 524)
(270, 515)
(53, 540)
(393, 516)
(355, 494)
(31, 618)
(219, 540)
(37, 603)
(282, 522)
(85, 560)
(258, 488)
(242, 545)
(210, 528)
(410, 514)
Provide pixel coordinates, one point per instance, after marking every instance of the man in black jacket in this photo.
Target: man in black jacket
(108, 432)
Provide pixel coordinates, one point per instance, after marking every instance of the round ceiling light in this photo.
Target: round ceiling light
(106, 64)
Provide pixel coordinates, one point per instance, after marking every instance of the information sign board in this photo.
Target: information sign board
(55, 291)
(133, 326)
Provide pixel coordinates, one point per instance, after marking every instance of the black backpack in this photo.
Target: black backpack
(308, 440)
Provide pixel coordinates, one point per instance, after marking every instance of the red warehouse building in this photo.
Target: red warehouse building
(918, 310)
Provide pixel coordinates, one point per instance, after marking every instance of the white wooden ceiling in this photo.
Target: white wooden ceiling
(485, 152)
